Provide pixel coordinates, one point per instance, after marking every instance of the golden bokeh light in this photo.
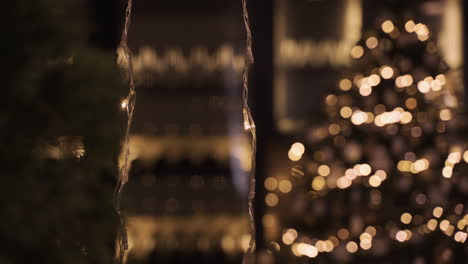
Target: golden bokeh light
(372, 42)
(345, 85)
(271, 199)
(285, 186)
(357, 52)
(271, 183)
(323, 170)
(387, 26)
(386, 72)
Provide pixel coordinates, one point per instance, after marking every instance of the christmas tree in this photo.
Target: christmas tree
(383, 179)
(61, 123)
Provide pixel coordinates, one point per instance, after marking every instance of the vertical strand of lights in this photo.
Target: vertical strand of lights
(249, 125)
(128, 104)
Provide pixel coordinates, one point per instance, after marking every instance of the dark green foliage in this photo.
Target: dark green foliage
(57, 94)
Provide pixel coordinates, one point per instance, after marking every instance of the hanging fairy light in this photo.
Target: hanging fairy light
(128, 104)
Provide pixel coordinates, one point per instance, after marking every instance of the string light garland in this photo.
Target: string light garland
(390, 135)
(249, 124)
(128, 104)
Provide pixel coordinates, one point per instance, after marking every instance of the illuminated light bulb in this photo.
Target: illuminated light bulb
(387, 26)
(328, 246)
(406, 117)
(352, 247)
(357, 52)
(343, 182)
(381, 174)
(365, 90)
(421, 30)
(423, 37)
(445, 115)
(359, 117)
(423, 87)
(406, 218)
(318, 183)
(386, 72)
(436, 85)
(334, 129)
(372, 42)
(365, 169)
(285, 186)
(410, 26)
(371, 230)
(365, 236)
(345, 85)
(441, 79)
(124, 104)
(366, 244)
(444, 225)
(374, 181)
(307, 250)
(437, 212)
(323, 170)
(288, 238)
(271, 183)
(346, 112)
(432, 224)
(454, 157)
(350, 174)
(460, 237)
(447, 172)
(271, 199)
(461, 224)
(293, 157)
(298, 148)
(374, 80)
(401, 236)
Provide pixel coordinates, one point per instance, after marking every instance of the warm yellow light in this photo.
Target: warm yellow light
(271, 199)
(388, 26)
(346, 112)
(323, 170)
(292, 156)
(365, 169)
(460, 237)
(374, 181)
(406, 218)
(424, 86)
(365, 90)
(465, 156)
(447, 172)
(352, 247)
(372, 42)
(357, 52)
(401, 236)
(410, 26)
(359, 117)
(386, 72)
(432, 224)
(444, 225)
(381, 174)
(345, 84)
(318, 183)
(437, 212)
(445, 115)
(124, 104)
(285, 186)
(334, 129)
(298, 148)
(271, 183)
